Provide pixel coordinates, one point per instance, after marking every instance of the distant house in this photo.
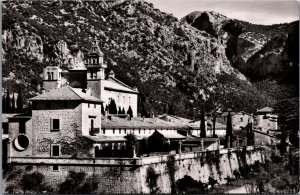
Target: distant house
(266, 120)
(239, 119)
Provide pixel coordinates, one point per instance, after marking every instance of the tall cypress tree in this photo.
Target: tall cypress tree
(202, 124)
(8, 106)
(112, 107)
(3, 104)
(13, 103)
(123, 111)
(29, 109)
(229, 130)
(102, 110)
(143, 111)
(19, 101)
(120, 110)
(130, 112)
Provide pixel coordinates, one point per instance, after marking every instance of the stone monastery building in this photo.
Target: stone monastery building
(92, 78)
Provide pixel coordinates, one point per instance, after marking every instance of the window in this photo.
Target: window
(52, 78)
(55, 124)
(49, 75)
(88, 105)
(5, 128)
(92, 124)
(268, 124)
(55, 168)
(22, 128)
(103, 131)
(95, 105)
(119, 131)
(125, 131)
(55, 150)
(241, 119)
(139, 131)
(113, 131)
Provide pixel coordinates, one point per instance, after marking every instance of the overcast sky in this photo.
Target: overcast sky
(254, 11)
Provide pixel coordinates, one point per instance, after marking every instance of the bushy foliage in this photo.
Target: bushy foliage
(151, 180)
(78, 183)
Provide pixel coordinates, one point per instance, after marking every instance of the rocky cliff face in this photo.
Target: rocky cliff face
(171, 62)
(258, 51)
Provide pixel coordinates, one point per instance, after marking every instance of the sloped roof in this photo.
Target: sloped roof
(138, 123)
(115, 84)
(104, 138)
(266, 109)
(169, 134)
(66, 93)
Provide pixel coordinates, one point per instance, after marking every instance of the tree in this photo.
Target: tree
(229, 130)
(151, 179)
(171, 110)
(119, 111)
(202, 123)
(78, 183)
(123, 111)
(8, 105)
(129, 112)
(13, 107)
(29, 109)
(212, 182)
(131, 144)
(32, 182)
(165, 109)
(143, 111)
(112, 107)
(19, 101)
(3, 104)
(102, 110)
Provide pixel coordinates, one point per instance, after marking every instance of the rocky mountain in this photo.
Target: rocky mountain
(257, 51)
(175, 64)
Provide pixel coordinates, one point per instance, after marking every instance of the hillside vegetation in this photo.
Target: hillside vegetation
(173, 64)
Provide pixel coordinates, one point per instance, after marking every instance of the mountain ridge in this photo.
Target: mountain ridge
(171, 62)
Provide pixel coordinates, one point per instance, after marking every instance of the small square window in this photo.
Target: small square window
(55, 168)
(95, 105)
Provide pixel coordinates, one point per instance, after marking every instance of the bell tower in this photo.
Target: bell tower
(95, 66)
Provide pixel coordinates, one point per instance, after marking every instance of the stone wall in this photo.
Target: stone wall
(129, 175)
(43, 137)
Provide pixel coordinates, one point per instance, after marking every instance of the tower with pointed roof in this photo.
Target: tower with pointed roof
(95, 66)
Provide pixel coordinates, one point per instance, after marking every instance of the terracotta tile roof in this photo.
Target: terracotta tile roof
(138, 123)
(104, 138)
(66, 93)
